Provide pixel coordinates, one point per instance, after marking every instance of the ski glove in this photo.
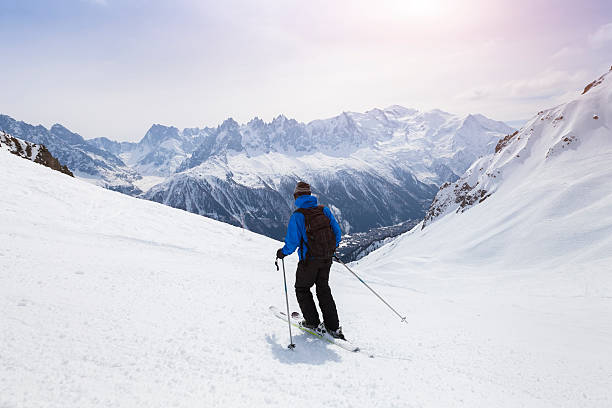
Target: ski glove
(279, 253)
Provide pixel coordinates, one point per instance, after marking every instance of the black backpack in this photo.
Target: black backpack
(321, 238)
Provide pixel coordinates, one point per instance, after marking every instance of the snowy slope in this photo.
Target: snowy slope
(559, 141)
(108, 300)
(537, 251)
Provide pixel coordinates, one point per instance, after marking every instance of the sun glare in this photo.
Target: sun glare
(417, 8)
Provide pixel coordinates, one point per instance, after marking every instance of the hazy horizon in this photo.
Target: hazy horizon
(512, 123)
(113, 68)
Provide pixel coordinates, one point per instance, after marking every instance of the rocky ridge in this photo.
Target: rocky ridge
(31, 151)
(546, 136)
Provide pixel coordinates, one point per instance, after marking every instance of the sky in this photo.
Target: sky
(114, 67)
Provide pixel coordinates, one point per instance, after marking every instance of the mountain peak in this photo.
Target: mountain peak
(58, 127)
(399, 110)
(159, 126)
(439, 111)
(229, 123)
(158, 133)
(469, 118)
(255, 122)
(65, 134)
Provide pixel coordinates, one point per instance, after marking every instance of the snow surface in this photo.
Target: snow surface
(108, 300)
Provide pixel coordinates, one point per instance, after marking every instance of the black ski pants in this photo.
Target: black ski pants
(316, 272)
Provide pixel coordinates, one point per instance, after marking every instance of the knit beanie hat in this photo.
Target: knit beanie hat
(301, 189)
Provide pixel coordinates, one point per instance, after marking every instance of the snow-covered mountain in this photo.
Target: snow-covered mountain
(567, 139)
(160, 152)
(540, 204)
(437, 144)
(86, 161)
(375, 169)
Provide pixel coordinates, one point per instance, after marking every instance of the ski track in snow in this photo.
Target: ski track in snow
(108, 300)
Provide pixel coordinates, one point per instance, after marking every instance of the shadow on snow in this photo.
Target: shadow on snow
(308, 350)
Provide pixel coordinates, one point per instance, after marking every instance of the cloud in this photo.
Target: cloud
(566, 52)
(549, 83)
(601, 37)
(540, 85)
(98, 2)
(476, 94)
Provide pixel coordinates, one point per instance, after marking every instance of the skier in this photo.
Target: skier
(314, 230)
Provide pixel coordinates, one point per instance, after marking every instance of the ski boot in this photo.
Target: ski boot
(309, 325)
(337, 334)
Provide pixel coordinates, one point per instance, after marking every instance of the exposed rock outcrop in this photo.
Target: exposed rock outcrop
(504, 141)
(36, 152)
(594, 83)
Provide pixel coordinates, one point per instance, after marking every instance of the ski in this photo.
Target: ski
(295, 322)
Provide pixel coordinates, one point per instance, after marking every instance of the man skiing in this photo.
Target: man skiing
(314, 231)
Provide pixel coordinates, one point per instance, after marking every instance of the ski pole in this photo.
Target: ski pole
(367, 286)
(291, 346)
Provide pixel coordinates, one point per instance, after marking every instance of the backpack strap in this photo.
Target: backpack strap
(302, 242)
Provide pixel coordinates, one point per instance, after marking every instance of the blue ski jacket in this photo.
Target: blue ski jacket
(296, 231)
